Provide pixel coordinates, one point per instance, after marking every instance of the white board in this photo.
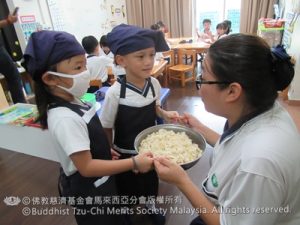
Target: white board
(90, 17)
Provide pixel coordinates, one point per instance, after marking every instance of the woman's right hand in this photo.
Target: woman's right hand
(144, 162)
(191, 121)
(210, 135)
(170, 172)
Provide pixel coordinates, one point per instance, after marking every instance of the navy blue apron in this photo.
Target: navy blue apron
(77, 186)
(130, 121)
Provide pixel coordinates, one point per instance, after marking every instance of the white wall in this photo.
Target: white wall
(37, 8)
(294, 92)
(81, 18)
(294, 49)
(89, 17)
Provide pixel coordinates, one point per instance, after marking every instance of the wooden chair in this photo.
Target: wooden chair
(96, 83)
(178, 72)
(169, 56)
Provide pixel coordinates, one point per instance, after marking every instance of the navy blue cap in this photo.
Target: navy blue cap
(125, 39)
(47, 48)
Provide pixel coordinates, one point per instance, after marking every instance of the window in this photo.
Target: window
(217, 11)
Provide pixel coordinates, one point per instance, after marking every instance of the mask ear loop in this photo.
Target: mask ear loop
(65, 75)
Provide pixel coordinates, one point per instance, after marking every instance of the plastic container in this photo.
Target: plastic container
(89, 98)
(271, 30)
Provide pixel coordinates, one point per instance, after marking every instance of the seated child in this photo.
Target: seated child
(206, 33)
(221, 30)
(97, 65)
(104, 49)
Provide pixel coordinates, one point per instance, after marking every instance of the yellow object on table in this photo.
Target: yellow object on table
(3, 102)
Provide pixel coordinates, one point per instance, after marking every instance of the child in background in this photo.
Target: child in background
(105, 51)
(163, 28)
(158, 55)
(221, 30)
(57, 64)
(206, 33)
(228, 23)
(97, 65)
(132, 103)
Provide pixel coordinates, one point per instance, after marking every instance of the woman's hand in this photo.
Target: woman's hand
(170, 172)
(144, 162)
(210, 135)
(190, 121)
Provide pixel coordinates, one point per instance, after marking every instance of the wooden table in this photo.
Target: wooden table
(196, 44)
(158, 68)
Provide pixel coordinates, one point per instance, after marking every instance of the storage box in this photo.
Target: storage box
(18, 114)
(28, 140)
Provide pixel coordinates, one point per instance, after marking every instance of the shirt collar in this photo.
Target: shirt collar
(228, 131)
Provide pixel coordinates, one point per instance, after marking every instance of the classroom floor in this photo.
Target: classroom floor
(27, 176)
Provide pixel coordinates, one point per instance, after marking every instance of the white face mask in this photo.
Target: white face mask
(81, 82)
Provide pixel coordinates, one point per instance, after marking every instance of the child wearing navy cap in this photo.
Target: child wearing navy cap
(132, 103)
(57, 64)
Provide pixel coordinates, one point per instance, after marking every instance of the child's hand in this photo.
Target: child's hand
(144, 162)
(171, 116)
(115, 155)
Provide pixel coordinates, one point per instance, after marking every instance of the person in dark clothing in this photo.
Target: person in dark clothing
(8, 67)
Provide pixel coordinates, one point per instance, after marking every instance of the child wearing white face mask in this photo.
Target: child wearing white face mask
(80, 82)
(57, 64)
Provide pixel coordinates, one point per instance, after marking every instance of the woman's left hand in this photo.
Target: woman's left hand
(169, 171)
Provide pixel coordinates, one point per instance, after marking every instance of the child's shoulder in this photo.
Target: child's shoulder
(154, 81)
(62, 114)
(114, 89)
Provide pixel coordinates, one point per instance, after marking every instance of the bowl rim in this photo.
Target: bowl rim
(162, 126)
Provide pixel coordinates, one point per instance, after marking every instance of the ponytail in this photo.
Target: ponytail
(42, 98)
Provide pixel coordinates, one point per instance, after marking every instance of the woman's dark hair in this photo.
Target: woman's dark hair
(249, 61)
(89, 43)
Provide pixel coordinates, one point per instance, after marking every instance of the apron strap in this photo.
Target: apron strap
(123, 83)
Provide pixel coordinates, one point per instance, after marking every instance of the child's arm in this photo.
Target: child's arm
(89, 167)
(169, 116)
(109, 133)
